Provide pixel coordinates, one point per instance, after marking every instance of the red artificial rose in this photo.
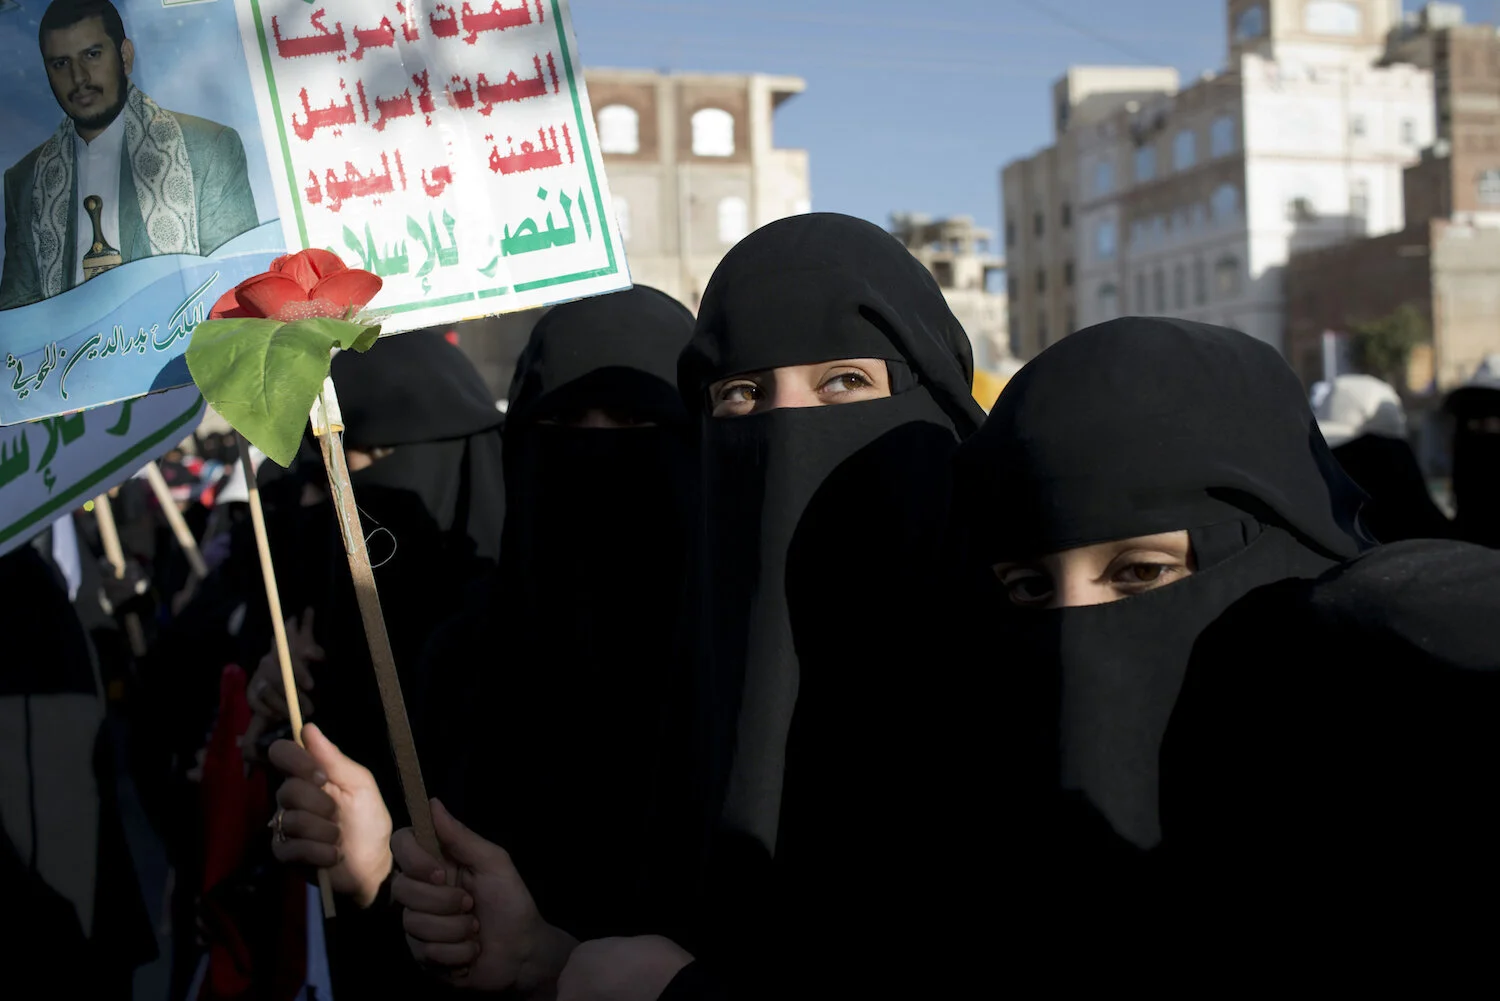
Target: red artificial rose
(298, 286)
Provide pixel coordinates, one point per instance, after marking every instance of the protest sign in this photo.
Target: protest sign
(52, 466)
(169, 202)
(447, 148)
(370, 128)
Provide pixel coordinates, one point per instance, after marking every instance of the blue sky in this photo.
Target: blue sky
(911, 105)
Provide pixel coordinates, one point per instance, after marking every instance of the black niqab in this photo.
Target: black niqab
(1476, 464)
(1131, 428)
(1401, 507)
(820, 545)
(564, 667)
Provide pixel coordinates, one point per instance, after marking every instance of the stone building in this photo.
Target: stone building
(1446, 262)
(693, 168)
(1189, 202)
(957, 252)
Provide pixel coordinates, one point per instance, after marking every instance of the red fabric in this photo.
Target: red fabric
(236, 805)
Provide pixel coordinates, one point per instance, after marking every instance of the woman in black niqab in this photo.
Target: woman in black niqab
(563, 668)
(821, 540)
(1129, 429)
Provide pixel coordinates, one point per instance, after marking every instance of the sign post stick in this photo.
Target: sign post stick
(327, 425)
(109, 537)
(174, 517)
(278, 626)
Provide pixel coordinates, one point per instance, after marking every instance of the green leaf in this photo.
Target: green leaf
(262, 376)
(366, 340)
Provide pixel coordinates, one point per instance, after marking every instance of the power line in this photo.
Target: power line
(1090, 32)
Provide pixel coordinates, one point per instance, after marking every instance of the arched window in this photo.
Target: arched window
(713, 132)
(1226, 202)
(1227, 277)
(1109, 301)
(1332, 17)
(734, 220)
(1159, 291)
(619, 130)
(1104, 177)
(1200, 282)
(622, 216)
(1179, 287)
(1185, 149)
(1221, 137)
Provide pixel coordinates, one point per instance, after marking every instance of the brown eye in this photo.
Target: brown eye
(1026, 587)
(1145, 573)
(847, 382)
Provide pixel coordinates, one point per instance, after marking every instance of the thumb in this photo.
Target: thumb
(342, 771)
(464, 846)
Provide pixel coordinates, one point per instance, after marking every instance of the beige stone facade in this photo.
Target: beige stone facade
(957, 252)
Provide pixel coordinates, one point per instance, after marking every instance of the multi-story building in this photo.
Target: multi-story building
(957, 253)
(1040, 194)
(1446, 262)
(693, 168)
(1190, 202)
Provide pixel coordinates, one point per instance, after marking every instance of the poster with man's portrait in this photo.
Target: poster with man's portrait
(136, 191)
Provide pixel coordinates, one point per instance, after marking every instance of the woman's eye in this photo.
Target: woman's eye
(847, 382)
(1027, 588)
(1144, 574)
(739, 392)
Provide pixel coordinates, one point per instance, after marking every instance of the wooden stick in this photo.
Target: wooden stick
(328, 427)
(174, 518)
(278, 628)
(109, 536)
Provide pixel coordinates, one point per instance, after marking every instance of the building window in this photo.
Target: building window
(734, 220)
(1139, 305)
(1225, 204)
(1200, 282)
(1359, 198)
(1067, 216)
(1068, 274)
(1251, 24)
(1104, 178)
(1184, 150)
(1159, 291)
(1010, 233)
(1041, 280)
(622, 215)
(1357, 126)
(1179, 287)
(1039, 224)
(1145, 164)
(1109, 301)
(1221, 137)
(1104, 240)
(713, 132)
(1332, 17)
(1227, 277)
(619, 130)
(1489, 187)
(1408, 132)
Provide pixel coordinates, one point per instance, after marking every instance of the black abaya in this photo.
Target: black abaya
(560, 674)
(817, 580)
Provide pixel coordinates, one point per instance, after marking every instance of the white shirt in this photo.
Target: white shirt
(99, 168)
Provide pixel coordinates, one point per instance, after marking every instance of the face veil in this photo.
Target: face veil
(1132, 428)
(818, 543)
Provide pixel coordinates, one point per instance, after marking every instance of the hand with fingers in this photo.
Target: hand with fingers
(469, 917)
(330, 816)
(266, 692)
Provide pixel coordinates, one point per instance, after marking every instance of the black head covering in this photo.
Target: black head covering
(571, 650)
(820, 537)
(1476, 464)
(1334, 755)
(1136, 427)
(1401, 507)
